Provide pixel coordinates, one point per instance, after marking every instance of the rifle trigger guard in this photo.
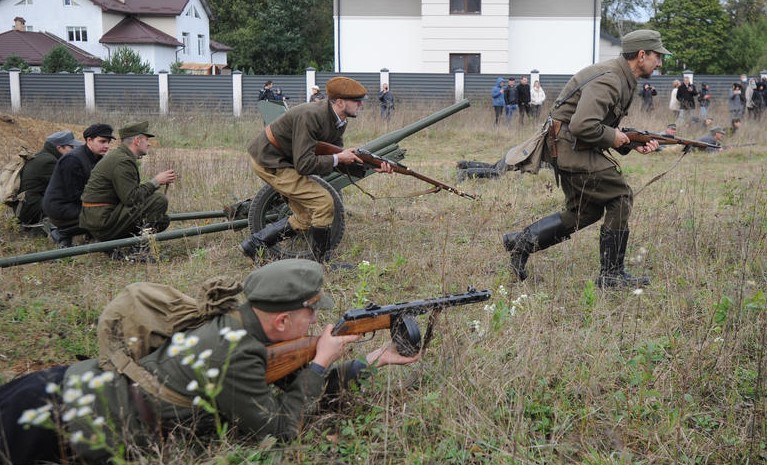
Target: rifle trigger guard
(406, 335)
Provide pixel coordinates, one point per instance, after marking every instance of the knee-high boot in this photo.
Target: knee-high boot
(320, 243)
(271, 234)
(612, 255)
(540, 235)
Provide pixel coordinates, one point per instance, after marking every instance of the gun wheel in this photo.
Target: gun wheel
(269, 206)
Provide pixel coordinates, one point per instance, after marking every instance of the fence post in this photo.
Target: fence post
(311, 79)
(383, 79)
(535, 75)
(15, 82)
(90, 91)
(163, 83)
(688, 74)
(459, 78)
(237, 93)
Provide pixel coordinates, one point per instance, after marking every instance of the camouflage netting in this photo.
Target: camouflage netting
(19, 131)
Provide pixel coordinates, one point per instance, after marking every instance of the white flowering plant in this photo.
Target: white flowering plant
(365, 271)
(209, 381)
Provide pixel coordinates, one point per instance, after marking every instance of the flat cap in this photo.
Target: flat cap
(63, 138)
(98, 130)
(717, 130)
(643, 39)
(671, 126)
(345, 88)
(287, 285)
(135, 130)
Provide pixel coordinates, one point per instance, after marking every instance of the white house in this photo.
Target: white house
(480, 36)
(161, 31)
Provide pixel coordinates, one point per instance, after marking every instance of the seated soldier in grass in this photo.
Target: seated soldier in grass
(282, 300)
(116, 204)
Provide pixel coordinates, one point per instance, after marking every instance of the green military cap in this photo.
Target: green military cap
(643, 39)
(717, 129)
(287, 285)
(135, 130)
(345, 88)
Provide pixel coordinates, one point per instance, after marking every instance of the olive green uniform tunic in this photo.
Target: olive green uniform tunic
(287, 166)
(127, 202)
(35, 176)
(590, 175)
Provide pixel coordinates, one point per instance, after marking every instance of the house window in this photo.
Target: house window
(67, 2)
(29, 28)
(185, 41)
(468, 62)
(24, 2)
(200, 44)
(193, 12)
(463, 7)
(77, 34)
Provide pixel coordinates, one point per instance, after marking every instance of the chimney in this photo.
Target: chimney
(19, 24)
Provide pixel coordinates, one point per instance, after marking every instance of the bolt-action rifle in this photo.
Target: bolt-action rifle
(639, 138)
(286, 357)
(325, 148)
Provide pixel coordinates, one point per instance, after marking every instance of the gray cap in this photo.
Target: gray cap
(63, 138)
(287, 285)
(643, 39)
(717, 129)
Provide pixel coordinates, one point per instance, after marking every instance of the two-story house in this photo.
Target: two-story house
(161, 31)
(479, 36)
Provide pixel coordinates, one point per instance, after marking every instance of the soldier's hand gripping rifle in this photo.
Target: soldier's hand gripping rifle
(286, 357)
(371, 159)
(639, 138)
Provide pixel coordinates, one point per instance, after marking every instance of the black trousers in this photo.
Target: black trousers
(28, 446)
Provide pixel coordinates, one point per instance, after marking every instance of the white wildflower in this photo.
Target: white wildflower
(99, 421)
(235, 336)
(197, 400)
(719, 339)
(52, 388)
(198, 364)
(638, 291)
(77, 437)
(178, 338)
(513, 310)
(41, 417)
(192, 386)
(490, 308)
(84, 411)
(108, 376)
(70, 395)
(86, 399)
(174, 350)
(365, 263)
(502, 291)
(224, 330)
(191, 341)
(27, 416)
(205, 354)
(69, 415)
(187, 360)
(133, 340)
(209, 387)
(87, 376)
(212, 373)
(73, 381)
(96, 383)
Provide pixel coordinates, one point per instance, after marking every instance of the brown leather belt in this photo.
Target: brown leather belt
(271, 138)
(556, 125)
(90, 205)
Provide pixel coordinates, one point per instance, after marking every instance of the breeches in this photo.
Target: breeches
(120, 221)
(589, 195)
(311, 204)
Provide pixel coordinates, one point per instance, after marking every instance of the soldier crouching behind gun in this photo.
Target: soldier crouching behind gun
(585, 124)
(282, 300)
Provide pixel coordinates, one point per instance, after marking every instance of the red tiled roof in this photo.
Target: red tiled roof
(33, 46)
(147, 7)
(132, 31)
(219, 47)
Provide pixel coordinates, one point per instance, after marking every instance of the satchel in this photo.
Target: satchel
(528, 156)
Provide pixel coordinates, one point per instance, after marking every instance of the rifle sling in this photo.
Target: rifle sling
(658, 176)
(433, 190)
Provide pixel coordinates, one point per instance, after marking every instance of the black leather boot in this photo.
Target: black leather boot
(612, 254)
(540, 235)
(271, 234)
(320, 243)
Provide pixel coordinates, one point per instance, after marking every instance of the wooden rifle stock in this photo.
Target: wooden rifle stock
(326, 148)
(286, 357)
(639, 138)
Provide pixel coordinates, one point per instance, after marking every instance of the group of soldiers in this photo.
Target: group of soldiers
(282, 297)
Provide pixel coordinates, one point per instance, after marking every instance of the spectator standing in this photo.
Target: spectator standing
(266, 92)
(496, 96)
(673, 103)
(523, 99)
(316, 94)
(749, 89)
(704, 99)
(647, 93)
(686, 94)
(116, 204)
(61, 202)
(758, 101)
(510, 99)
(36, 174)
(736, 100)
(537, 97)
(386, 99)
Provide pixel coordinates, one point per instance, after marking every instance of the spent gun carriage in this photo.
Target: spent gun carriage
(265, 207)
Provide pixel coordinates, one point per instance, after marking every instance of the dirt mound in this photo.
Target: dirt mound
(19, 131)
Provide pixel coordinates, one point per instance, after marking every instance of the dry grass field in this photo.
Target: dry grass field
(552, 371)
